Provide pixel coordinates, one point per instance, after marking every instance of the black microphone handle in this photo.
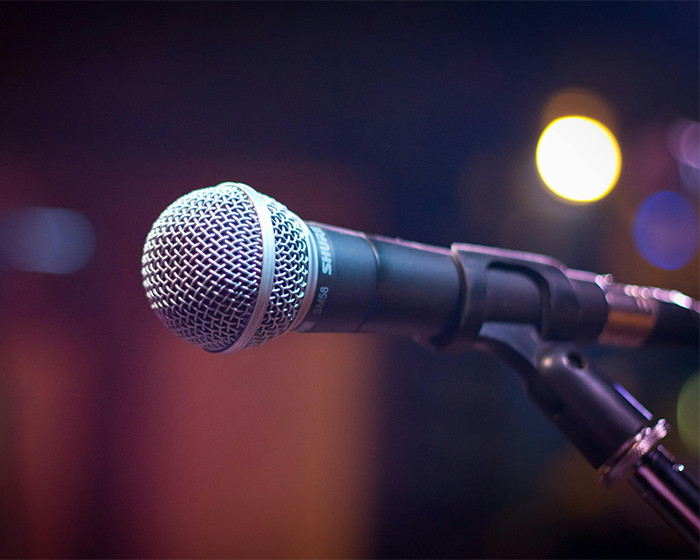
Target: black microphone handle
(375, 284)
(378, 285)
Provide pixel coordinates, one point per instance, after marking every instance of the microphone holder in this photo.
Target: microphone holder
(603, 421)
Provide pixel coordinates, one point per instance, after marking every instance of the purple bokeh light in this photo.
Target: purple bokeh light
(666, 230)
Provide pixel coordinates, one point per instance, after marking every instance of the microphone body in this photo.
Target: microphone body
(378, 285)
(228, 268)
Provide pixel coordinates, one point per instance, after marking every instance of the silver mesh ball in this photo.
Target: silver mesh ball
(203, 263)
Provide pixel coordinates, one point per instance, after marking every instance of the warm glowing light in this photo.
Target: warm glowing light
(689, 415)
(578, 159)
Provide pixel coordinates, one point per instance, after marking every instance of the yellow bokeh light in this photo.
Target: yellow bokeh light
(689, 414)
(578, 159)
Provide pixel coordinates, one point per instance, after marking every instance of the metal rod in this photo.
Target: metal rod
(671, 492)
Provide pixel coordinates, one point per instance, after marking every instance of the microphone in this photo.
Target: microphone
(228, 268)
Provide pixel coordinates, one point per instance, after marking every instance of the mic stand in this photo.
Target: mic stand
(603, 421)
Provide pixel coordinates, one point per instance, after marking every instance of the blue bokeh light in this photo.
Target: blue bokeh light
(49, 240)
(666, 230)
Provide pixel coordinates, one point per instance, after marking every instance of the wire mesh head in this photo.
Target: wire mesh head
(226, 268)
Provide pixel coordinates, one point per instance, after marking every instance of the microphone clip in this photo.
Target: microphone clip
(612, 430)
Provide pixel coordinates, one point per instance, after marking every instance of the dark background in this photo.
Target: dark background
(417, 120)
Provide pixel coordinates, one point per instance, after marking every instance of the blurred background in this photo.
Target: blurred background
(418, 120)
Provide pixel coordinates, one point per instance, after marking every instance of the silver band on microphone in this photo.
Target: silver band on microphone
(311, 279)
(268, 266)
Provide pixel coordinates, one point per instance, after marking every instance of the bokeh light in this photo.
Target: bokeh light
(689, 414)
(684, 142)
(690, 178)
(50, 240)
(666, 230)
(578, 158)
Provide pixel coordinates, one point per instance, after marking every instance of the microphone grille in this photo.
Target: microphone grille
(226, 267)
